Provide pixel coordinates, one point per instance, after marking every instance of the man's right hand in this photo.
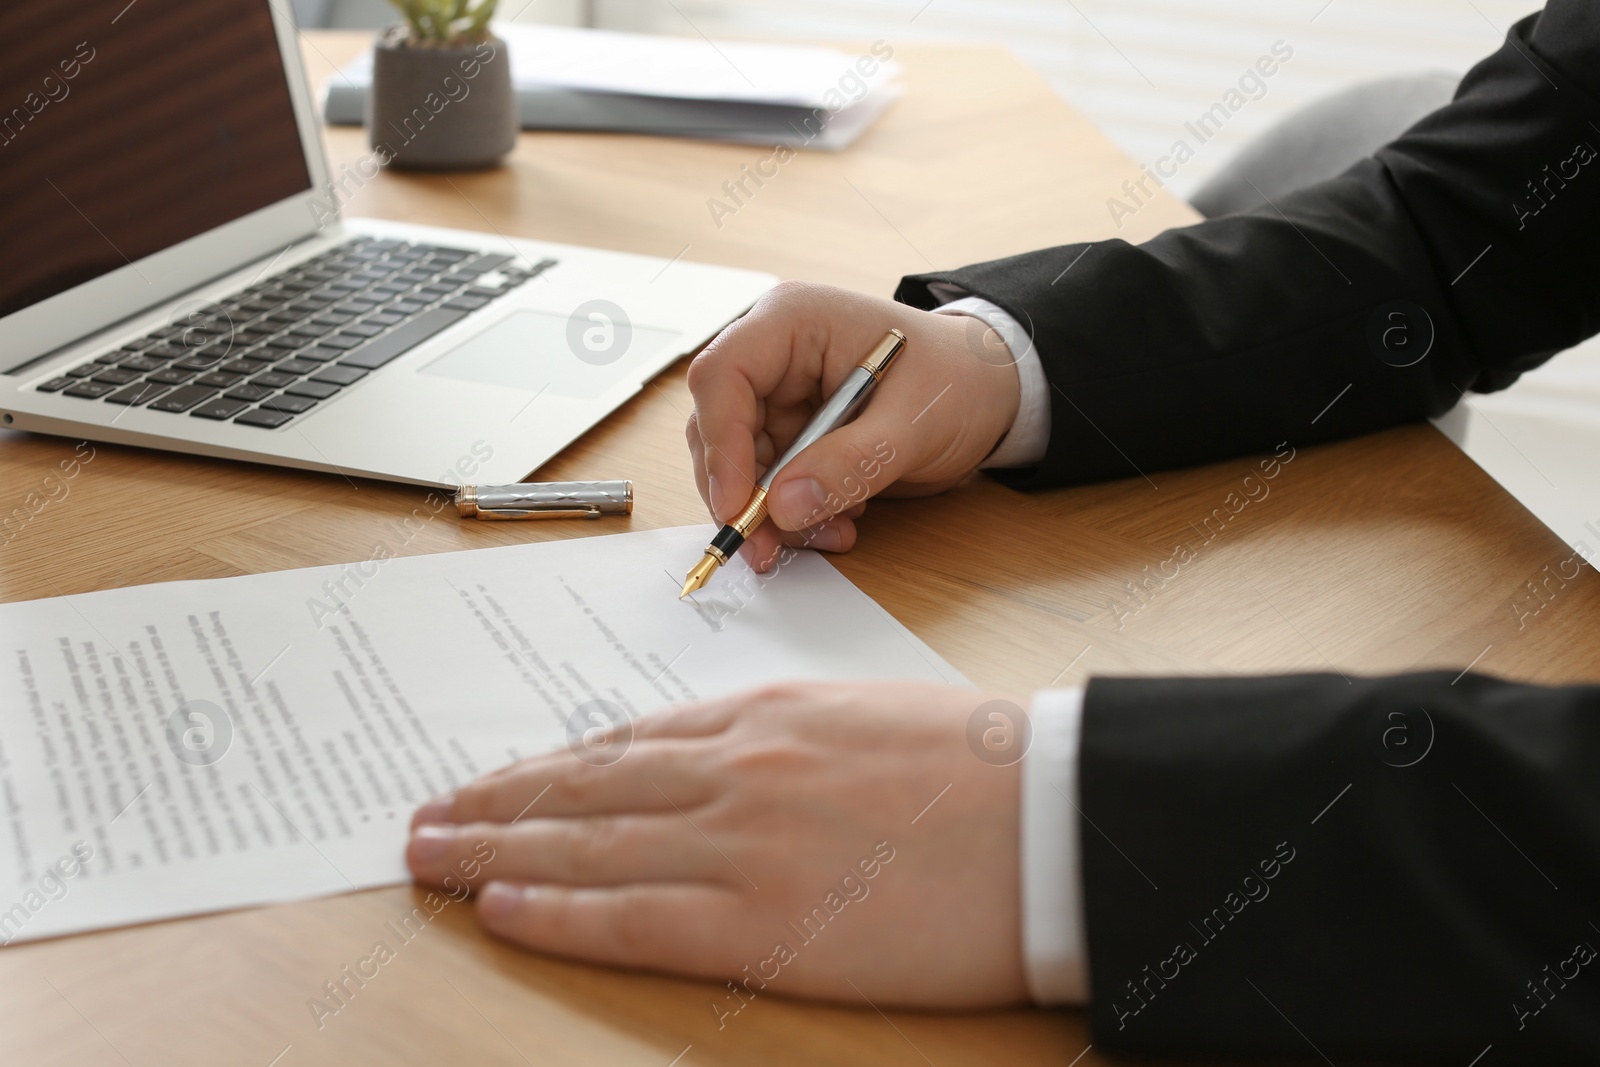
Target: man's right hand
(949, 398)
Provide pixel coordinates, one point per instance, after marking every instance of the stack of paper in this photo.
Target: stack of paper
(576, 79)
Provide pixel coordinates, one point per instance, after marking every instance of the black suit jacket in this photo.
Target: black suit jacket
(1403, 868)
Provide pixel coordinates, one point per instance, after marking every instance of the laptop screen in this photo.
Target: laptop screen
(126, 128)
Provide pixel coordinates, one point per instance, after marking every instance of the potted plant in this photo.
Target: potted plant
(441, 94)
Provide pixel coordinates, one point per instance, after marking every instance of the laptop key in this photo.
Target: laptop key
(112, 357)
(294, 405)
(141, 363)
(340, 375)
(137, 393)
(86, 370)
(182, 398)
(383, 319)
(540, 267)
(246, 367)
(344, 341)
(466, 303)
(296, 366)
(219, 379)
(267, 420)
(90, 390)
(248, 392)
(314, 389)
(55, 384)
(220, 408)
(362, 329)
(402, 338)
(319, 354)
(171, 376)
(117, 376)
(483, 264)
(196, 336)
(273, 380)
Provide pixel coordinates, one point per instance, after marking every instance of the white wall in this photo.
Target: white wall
(1139, 68)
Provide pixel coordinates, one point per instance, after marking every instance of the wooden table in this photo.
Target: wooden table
(1382, 554)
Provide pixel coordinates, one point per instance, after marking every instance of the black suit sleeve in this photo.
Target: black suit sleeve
(1405, 868)
(1480, 227)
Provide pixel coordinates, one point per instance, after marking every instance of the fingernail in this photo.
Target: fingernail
(430, 842)
(825, 538)
(498, 900)
(435, 810)
(799, 503)
(714, 491)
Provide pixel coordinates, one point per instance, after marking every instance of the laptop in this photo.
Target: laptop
(175, 271)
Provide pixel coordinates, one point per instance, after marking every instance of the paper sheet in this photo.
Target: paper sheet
(216, 744)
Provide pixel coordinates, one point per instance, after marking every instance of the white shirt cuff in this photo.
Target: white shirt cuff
(1055, 949)
(1025, 443)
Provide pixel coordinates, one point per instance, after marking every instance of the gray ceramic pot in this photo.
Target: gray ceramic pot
(435, 108)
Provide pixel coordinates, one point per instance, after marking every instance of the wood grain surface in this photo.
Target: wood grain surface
(1381, 554)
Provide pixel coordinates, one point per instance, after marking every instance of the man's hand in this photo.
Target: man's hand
(836, 841)
(948, 399)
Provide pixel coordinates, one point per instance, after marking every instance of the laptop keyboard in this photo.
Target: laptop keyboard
(286, 344)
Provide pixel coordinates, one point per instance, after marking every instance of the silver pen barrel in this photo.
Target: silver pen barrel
(839, 409)
(842, 406)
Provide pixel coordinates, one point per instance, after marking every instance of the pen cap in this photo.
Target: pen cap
(545, 500)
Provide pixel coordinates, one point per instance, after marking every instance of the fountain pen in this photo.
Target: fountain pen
(840, 408)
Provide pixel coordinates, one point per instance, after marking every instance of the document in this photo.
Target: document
(746, 92)
(196, 746)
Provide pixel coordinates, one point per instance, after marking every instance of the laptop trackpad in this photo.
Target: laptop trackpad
(579, 355)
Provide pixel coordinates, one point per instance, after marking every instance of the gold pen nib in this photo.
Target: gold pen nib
(700, 574)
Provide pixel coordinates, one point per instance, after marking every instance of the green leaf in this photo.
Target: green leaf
(481, 15)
